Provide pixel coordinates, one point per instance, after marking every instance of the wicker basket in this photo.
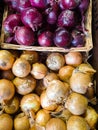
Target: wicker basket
(88, 45)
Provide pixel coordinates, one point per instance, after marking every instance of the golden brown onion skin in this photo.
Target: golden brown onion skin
(7, 90)
(57, 91)
(6, 122)
(48, 78)
(7, 74)
(39, 70)
(6, 60)
(24, 85)
(21, 67)
(21, 122)
(56, 124)
(79, 82)
(55, 61)
(30, 102)
(42, 117)
(31, 56)
(73, 58)
(46, 103)
(76, 103)
(77, 123)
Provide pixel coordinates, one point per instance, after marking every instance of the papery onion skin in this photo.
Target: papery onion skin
(24, 85)
(24, 36)
(62, 37)
(30, 102)
(12, 21)
(41, 4)
(76, 103)
(55, 61)
(42, 117)
(79, 82)
(23, 5)
(46, 103)
(7, 90)
(83, 6)
(57, 91)
(73, 58)
(56, 124)
(67, 18)
(70, 4)
(6, 60)
(21, 121)
(45, 39)
(32, 18)
(21, 67)
(77, 123)
(6, 122)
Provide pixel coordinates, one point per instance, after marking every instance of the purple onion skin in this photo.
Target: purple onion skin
(78, 38)
(11, 22)
(24, 36)
(69, 4)
(41, 4)
(32, 18)
(83, 6)
(67, 19)
(62, 38)
(45, 39)
(23, 4)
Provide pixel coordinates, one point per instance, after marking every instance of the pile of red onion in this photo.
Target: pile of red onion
(46, 23)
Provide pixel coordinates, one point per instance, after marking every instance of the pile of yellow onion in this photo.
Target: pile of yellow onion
(46, 91)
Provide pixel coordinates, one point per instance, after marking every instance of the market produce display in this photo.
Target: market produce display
(43, 91)
(49, 23)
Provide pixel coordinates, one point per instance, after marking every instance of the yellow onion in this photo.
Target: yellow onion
(21, 67)
(7, 90)
(57, 91)
(30, 102)
(56, 124)
(31, 56)
(21, 122)
(12, 106)
(39, 70)
(91, 117)
(46, 103)
(79, 81)
(77, 123)
(6, 60)
(76, 103)
(6, 122)
(73, 58)
(86, 68)
(42, 117)
(24, 85)
(55, 61)
(48, 78)
(65, 72)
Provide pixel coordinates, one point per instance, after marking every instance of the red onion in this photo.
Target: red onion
(83, 6)
(51, 15)
(62, 37)
(11, 22)
(69, 4)
(38, 3)
(78, 38)
(67, 18)
(45, 39)
(31, 18)
(23, 4)
(24, 36)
